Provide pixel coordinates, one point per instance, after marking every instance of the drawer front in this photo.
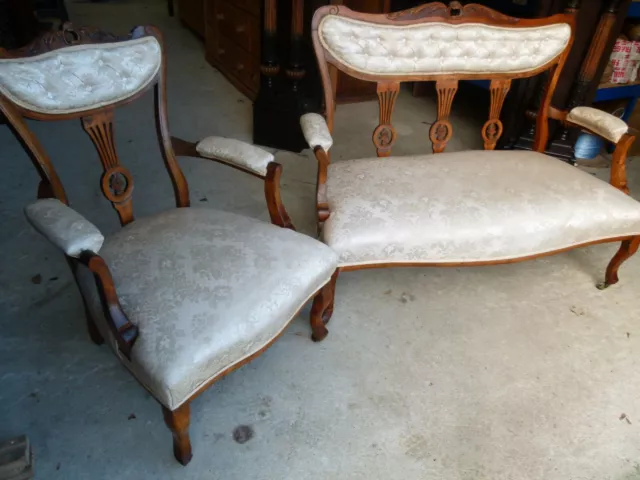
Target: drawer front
(235, 24)
(238, 62)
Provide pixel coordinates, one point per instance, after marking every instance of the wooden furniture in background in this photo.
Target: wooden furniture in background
(191, 14)
(232, 41)
(598, 24)
(470, 208)
(175, 341)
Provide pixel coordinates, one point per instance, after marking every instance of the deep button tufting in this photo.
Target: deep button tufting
(80, 77)
(413, 49)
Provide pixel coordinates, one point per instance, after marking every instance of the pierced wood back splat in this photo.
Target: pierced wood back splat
(96, 116)
(441, 131)
(116, 182)
(384, 136)
(492, 129)
(441, 43)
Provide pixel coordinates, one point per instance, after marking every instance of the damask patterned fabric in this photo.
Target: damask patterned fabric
(315, 131)
(81, 77)
(468, 207)
(64, 227)
(207, 289)
(440, 48)
(603, 123)
(236, 152)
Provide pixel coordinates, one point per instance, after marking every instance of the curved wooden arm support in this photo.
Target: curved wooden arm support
(619, 162)
(322, 204)
(123, 330)
(277, 212)
(618, 176)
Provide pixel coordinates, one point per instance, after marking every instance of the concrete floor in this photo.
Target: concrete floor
(514, 372)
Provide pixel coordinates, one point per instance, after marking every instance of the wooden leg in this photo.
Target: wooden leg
(178, 422)
(322, 309)
(170, 5)
(627, 249)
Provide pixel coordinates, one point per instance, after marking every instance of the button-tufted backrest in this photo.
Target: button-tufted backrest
(86, 73)
(440, 43)
(81, 77)
(440, 48)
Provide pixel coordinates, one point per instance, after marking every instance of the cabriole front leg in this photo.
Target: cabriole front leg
(322, 309)
(178, 422)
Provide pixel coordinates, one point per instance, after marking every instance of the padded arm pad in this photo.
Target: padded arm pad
(315, 131)
(64, 227)
(235, 152)
(604, 124)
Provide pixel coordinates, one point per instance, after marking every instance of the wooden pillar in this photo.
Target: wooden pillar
(296, 71)
(280, 102)
(269, 66)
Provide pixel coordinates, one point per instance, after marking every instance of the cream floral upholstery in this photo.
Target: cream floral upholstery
(315, 131)
(206, 289)
(468, 206)
(81, 77)
(236, 152)
(604, 124)
(439, 47)
(64, 227)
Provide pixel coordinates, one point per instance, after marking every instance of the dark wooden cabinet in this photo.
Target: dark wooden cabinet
(192, 15)
(232, 37)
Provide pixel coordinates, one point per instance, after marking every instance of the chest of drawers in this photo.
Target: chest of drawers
(232, 41)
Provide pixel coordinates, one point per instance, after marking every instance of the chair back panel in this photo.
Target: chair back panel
(86, 73)
(81, 77)
(445, 44)
(440, 49)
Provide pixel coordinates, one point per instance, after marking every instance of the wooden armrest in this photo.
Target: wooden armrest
(235, 153)
(247, 158)
(123, 330)
(64, 227)
(596, 121)
(315, 131)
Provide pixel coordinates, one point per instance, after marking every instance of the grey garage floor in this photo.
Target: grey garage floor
(518, 372)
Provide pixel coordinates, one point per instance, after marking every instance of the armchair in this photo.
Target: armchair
(463, 208)
(188, 295)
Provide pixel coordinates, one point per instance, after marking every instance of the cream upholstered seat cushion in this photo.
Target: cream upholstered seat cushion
(206, 289)
(468, 207)
(440, 48)
(81, 77)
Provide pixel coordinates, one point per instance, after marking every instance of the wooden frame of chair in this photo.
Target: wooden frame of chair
(388, 86)
(117, 186)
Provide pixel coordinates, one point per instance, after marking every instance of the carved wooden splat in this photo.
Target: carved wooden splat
(116, 181)
(441, 131)
(384, 136)
(492, 129)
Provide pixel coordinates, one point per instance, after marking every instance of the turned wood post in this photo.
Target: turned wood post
(296, 71)
(269, 66)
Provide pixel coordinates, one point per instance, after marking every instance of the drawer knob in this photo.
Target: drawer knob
(240, 28)
(221, 51)
(239, 67)
(220, 16)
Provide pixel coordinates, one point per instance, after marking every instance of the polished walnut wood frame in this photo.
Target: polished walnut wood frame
(117, 186)
(384, 135)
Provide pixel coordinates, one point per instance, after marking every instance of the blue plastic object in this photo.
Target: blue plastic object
(588, 146)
